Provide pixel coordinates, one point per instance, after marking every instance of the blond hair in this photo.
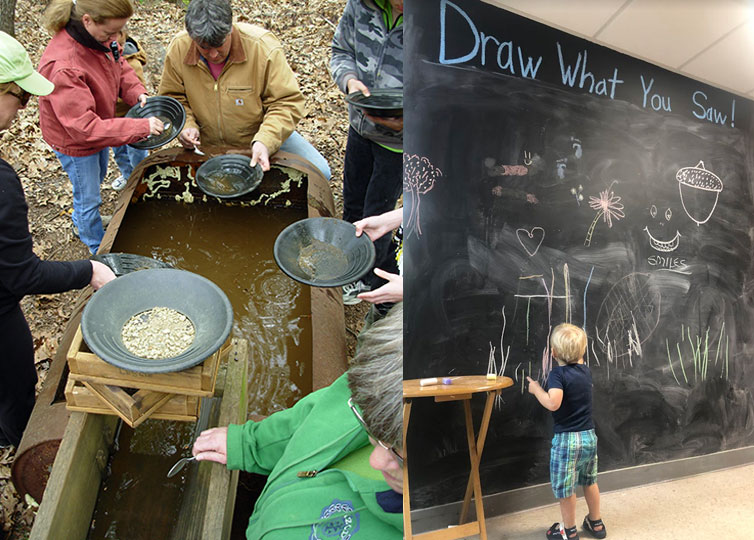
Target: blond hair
(568, 343)
(59, 12)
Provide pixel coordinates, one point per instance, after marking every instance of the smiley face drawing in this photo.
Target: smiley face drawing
(664, 246)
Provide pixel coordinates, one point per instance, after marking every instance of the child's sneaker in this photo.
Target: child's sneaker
(119, 183)
(352, 290)
(558, 532)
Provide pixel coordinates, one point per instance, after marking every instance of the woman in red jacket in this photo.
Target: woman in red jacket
(86, 65)
(21, 271)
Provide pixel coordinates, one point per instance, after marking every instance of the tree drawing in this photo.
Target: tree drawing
(419, 177)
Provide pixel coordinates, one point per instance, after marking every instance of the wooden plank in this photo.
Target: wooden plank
(221, 492)
(211, 366)
(451, 533)
(76, 344)
(71, 494)
(146, 403)
(179, 407)
(116, 398)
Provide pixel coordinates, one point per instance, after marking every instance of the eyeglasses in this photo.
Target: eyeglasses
(22, 95)
(364, 425)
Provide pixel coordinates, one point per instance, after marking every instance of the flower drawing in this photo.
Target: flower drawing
(608, 207)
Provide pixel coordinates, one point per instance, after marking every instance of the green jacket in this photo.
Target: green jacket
(330, 503)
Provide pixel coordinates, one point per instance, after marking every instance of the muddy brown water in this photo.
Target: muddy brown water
(232, 246)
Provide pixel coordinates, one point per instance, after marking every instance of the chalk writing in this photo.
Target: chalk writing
(570, 73)
(656, 101)
(505, 55)
(709, 113)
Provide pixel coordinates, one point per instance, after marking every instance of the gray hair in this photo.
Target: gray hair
(376, 378)
(208, 22)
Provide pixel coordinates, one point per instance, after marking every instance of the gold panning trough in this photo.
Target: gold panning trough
(67, 452)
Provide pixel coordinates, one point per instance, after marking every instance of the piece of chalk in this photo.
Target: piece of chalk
(447, 380)
(429, 381)
(491, 376)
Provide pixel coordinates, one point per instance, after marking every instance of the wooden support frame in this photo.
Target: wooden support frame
(196, 381)
(179, 407)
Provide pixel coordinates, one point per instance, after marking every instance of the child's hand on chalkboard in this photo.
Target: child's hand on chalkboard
(392, 291)
(355, 85)
(533, 385)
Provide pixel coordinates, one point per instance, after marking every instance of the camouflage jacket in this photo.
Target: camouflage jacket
(364, 48)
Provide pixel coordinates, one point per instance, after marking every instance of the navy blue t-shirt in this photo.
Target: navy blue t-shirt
(575, 412)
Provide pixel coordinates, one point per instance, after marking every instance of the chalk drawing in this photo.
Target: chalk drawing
(629, 314)
(608, 207)
(509, 170)
(577, 194)
(583, 327)
(528, 159)
(700, 190)
(698, 349)
(663, 246)
(419, 177)
(540, 233)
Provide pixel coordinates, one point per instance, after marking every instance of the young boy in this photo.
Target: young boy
(573, 457)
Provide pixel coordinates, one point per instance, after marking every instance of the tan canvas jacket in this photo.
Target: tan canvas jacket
(256, 97)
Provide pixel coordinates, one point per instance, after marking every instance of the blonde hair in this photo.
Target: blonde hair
(59, 12)
(568, 343)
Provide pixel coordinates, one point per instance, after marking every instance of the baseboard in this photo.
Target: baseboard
(442, 516)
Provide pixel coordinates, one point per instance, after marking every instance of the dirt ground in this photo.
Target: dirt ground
(305, 27)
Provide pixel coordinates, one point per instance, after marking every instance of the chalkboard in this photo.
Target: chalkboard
(548, 180)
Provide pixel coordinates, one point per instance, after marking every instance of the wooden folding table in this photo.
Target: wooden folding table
(460, 389)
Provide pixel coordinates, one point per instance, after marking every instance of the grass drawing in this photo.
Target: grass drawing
(699, 347)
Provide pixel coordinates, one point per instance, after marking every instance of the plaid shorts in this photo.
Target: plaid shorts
(573, 461)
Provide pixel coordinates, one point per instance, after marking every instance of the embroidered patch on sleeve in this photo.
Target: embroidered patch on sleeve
(337, 520)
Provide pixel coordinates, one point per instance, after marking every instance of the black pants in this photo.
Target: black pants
(17, 376)
(372, 183)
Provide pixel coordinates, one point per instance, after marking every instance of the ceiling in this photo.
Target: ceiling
(708, 40)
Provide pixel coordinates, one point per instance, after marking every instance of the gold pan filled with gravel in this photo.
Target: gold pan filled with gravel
(158, 333)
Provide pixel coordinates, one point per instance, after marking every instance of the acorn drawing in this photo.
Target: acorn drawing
(699, 190)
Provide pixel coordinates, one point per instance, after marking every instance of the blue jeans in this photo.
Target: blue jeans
(296, 144)
(372, 183)
(128, 158)
(86, 175)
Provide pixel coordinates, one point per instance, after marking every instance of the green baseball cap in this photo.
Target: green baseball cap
(16, 66)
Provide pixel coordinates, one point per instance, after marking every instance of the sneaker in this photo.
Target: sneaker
(352, 290)
(119, 183)
(105, 222)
